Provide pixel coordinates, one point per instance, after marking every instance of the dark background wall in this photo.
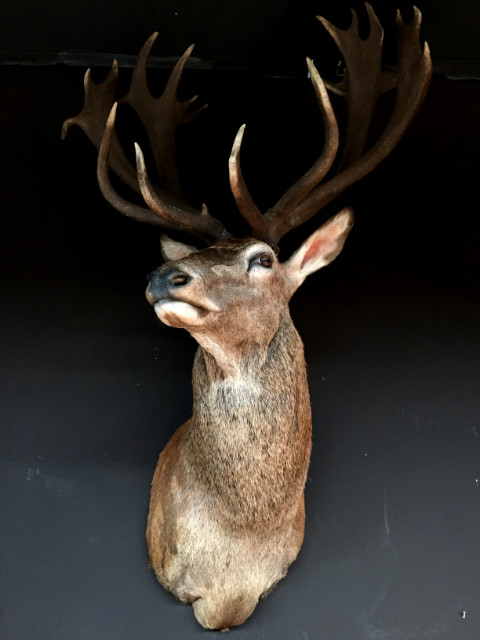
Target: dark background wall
(271, 32)
(91, 387)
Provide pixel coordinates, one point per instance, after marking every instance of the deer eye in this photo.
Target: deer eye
(265, 260)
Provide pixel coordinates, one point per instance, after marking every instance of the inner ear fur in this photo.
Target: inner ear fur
(321, 248)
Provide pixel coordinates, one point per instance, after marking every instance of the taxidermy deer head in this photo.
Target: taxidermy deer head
(227, 506)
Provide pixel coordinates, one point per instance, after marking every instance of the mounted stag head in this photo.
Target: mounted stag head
(227, 508)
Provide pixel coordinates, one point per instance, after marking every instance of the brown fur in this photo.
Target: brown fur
(227, 507)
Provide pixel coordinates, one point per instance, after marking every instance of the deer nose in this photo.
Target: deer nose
(162, 283)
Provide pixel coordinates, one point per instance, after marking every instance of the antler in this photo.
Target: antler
(160, 118)
(363, 83)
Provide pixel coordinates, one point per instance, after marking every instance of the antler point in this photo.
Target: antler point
(324, 21)
(354, 24)
(87, 79)
(236, 145)
(65, 128)
(313, 69)
(111, 117)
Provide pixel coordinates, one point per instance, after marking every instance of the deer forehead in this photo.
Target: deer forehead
(226, 260)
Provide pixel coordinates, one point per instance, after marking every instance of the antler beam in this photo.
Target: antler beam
(363, 83)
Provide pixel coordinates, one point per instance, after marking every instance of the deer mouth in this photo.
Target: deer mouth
(178, 313)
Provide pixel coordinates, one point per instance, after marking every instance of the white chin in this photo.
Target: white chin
(177, 314)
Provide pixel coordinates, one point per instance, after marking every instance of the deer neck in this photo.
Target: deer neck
(253, 430)
(236, 363)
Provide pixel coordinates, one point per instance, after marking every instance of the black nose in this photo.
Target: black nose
(165, 281)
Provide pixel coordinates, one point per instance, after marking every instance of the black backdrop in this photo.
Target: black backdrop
(274, 33)
(92, 387)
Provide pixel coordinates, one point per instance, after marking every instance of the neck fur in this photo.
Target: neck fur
(249, 430)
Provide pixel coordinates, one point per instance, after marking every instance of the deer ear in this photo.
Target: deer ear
(320, 248)
(173, 250)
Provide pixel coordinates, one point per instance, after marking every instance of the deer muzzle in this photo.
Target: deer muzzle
(165, 283)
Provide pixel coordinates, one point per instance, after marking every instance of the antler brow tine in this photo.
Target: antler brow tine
(120, 204)
(243, 198)
(203, 225)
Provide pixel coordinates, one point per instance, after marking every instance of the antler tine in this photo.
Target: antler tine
(243, 198)
(413, 62)
(161, 116)
(321, 167)
(203, 225)
(120, 204)
(261, 225)
(172, 88)
(98, 102)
